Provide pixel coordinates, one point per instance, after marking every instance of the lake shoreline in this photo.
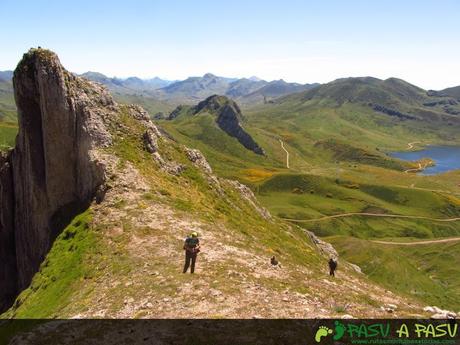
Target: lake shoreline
(445, 158)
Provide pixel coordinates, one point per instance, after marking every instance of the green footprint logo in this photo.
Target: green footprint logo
(339, 330)
(322, 331)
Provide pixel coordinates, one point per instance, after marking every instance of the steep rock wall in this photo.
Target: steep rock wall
(52, 174)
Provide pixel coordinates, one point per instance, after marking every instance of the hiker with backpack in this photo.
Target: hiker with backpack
(192, 248)
(332, 266)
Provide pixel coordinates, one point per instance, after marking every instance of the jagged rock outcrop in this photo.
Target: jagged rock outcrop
(229, 119)
(197, 157)
(247, 194)
(325, 248)
(391, 112)
(51, 174)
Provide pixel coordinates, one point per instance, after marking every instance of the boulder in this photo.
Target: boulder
(195, 156)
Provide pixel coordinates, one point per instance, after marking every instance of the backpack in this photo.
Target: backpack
(192, 241)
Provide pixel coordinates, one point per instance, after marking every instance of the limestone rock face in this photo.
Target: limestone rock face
(51, 175)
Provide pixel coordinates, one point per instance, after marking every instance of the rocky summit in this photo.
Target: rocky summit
(229, 119)
(96, 202)
(227, 115)
(51, 174)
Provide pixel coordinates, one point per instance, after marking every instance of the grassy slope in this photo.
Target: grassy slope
(310, 197)
(425, 271)
(7, 105)
(225, 153)
(64, 270)
(8, 131)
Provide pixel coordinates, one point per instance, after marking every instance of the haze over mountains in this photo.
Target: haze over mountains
(193, 89)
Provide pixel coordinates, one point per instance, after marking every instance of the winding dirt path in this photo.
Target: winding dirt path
(342, 215)
(410, 146)
(453, 239)
(287, 153)
(420, 168)
(412, 186)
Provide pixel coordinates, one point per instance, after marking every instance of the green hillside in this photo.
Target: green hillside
(308, 197)
(151, 104)
(7, 105)
(8, 131)
(427, 272)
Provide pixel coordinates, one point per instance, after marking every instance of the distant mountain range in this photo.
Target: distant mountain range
(244, 90)
(391, 96)
(6, 75)
(193, 89)
(128, 85)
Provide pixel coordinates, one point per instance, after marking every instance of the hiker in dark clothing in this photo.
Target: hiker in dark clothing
(192, 248)
(332, 266)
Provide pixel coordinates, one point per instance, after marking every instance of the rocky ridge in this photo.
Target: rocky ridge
(229, 118)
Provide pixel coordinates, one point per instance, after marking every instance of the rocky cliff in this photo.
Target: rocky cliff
(51, 174)
(229, 118)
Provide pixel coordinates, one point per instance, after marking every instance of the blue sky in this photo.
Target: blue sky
(302, 41)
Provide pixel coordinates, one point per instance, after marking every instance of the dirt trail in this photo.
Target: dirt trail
(372, 215)
(453, 239)
(287, 153)
(412, 186)
(415, 169)
(410, 146)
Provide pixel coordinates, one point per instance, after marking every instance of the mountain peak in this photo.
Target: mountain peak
(209, 76)
(215, 102)
(229, 119)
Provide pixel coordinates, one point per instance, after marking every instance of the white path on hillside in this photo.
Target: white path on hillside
(453, 239)
(412, 186)
(410, 146)
(420, 168)
(287, 153)
(372, 215)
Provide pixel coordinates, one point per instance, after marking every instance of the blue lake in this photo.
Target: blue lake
(446, 158)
